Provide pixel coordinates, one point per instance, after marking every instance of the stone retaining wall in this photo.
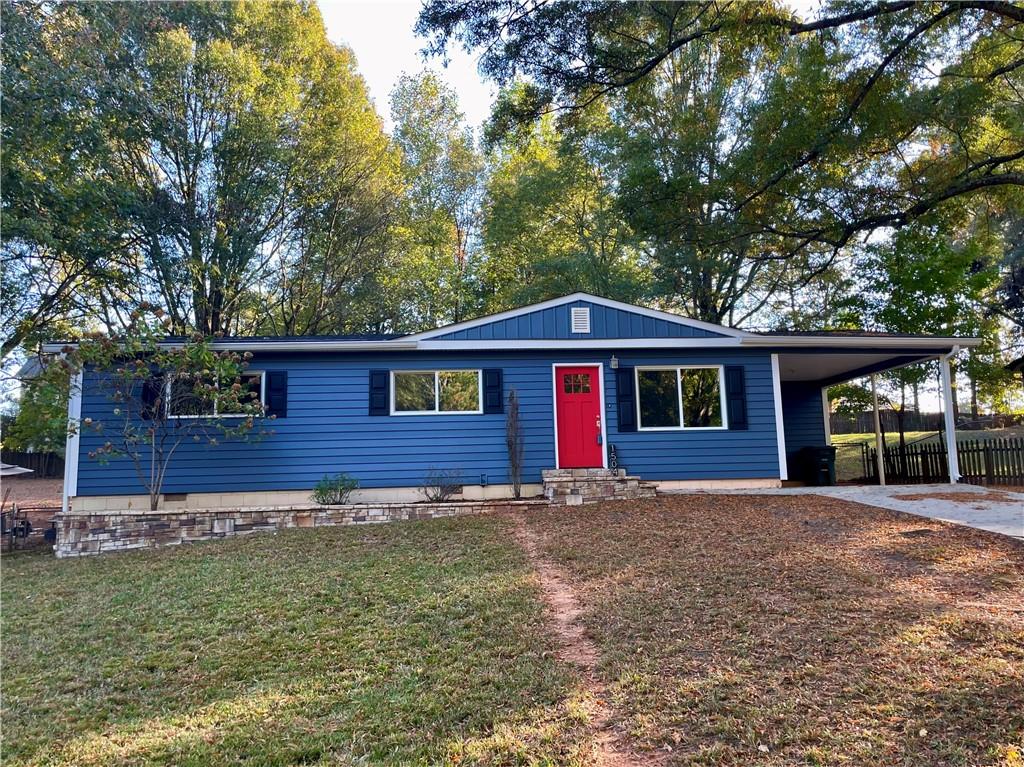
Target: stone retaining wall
(574, 487)
(83, 533)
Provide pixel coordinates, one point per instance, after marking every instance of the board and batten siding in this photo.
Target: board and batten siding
(328, 428)
(555, 323)
(803, 416)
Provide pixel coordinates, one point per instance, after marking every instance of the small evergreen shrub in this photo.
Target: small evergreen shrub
(332, 491)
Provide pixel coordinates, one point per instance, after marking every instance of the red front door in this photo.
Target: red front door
(578, 415)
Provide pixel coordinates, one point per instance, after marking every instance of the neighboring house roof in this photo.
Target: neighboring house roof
(1017, 365)
(553, 324)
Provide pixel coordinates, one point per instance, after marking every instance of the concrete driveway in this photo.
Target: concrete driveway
(986, 508)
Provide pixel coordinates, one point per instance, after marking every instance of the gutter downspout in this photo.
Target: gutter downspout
(952, 458)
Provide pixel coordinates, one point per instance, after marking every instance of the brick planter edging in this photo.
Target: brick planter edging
(84, 533)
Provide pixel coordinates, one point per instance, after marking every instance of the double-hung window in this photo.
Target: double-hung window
(680, 397)
(423, 392)
(194, 397)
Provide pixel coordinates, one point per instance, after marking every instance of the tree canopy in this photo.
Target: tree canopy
(732, 161)
(206, 157)
(834, 142)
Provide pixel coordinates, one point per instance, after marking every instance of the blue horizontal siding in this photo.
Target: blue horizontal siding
(328, 429)
(803, 416)
(554, 323)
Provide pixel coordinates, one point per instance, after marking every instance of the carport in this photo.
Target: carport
(805, 364)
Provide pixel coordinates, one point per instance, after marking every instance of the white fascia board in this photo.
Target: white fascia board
(612, 344)
(314, 346)
(859, 342)
(278, 346)
(597, 300)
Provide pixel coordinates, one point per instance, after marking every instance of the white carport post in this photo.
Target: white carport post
(947, 403)
(879, 452)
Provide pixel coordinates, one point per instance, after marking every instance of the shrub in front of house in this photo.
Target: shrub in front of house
(333, 491)
(441, 484)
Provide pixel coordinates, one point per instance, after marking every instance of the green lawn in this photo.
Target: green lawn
(412, 643)
(848, 453)
(732, 630)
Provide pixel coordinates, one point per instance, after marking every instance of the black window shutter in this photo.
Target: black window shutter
(379, 394)
(736, 396)
(494, 401)
(625, 396)
(277, 394)
(151, 393)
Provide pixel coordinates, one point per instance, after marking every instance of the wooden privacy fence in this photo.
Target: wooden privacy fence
(45, 465)
(982, 462)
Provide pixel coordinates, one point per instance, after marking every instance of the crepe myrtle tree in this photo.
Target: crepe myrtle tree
(165, 393)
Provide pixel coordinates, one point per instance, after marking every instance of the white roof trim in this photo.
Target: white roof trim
(607, 302)
(610, 344)
(310, 345)
(845, 342)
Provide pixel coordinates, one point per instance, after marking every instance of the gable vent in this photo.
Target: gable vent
(581, 319)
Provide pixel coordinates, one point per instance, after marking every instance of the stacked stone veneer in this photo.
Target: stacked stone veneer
(83, 532)
(577, 486)
(80, 533)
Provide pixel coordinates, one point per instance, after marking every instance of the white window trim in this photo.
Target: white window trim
(437, 392)
(247, 372)
(679, 394)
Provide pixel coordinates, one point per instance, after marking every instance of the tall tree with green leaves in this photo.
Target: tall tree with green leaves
(65, 215)
(882, 113)
(681, 138)
(551, 222)
(222, 160)
(431, 280)
(938, 275)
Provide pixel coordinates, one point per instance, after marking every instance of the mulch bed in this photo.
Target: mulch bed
(779, 630)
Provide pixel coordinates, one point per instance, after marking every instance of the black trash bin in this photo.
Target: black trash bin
(818, 465)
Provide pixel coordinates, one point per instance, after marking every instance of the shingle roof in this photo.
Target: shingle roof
(342, 337)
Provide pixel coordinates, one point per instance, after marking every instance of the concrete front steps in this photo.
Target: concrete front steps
(577, 486)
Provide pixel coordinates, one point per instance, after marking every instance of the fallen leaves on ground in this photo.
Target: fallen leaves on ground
(992, 496)
(783, 630)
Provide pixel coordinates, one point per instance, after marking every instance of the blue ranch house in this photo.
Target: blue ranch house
(679, 402)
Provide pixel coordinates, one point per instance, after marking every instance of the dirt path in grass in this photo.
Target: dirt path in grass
(563, 617)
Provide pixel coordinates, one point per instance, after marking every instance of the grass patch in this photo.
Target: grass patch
(413, 643)
(800, 630)
(849, 465)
